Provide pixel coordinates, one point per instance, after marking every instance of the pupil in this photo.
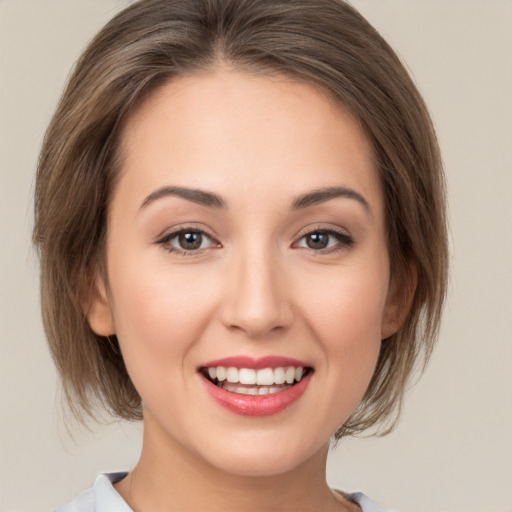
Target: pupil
(190, 240)
(317, 240)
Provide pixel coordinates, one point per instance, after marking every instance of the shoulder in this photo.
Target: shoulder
(366, 504)
(101, 497)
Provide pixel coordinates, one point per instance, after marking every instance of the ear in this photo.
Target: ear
(399, 300)
(96, 307)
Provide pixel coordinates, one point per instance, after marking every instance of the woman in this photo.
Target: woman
(240, 217)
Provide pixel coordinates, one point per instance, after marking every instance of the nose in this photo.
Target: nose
(256, 301)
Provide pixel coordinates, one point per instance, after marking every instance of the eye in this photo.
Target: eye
(325, 240)
(187, 241)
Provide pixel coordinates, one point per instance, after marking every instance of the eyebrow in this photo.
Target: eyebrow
(212, 200)
(326, 194)
(190, 194)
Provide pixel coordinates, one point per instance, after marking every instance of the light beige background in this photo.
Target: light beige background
(452, 451)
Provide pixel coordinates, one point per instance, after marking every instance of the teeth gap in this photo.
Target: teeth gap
(307, 371)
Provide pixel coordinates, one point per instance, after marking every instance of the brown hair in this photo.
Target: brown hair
(323, 42)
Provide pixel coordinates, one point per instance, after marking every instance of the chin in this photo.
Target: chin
(262, 455)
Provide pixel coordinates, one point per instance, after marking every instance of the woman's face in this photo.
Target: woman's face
(246, 243)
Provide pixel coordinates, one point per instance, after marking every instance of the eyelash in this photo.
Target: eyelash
(165, 242)
(344, 241)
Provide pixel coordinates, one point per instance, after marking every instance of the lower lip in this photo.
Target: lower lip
(257, 405)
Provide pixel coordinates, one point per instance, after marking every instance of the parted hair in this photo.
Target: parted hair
(326, 43)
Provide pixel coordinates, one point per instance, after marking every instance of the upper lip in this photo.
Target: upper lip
(256, 363)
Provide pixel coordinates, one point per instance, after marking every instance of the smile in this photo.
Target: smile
(255, 387)
(249, 381)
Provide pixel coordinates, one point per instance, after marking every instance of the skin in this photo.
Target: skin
(254, 287)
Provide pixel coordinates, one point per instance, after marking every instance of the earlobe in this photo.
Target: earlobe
(96, 307)
(399, 301)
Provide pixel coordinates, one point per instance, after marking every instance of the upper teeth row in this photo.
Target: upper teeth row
(263, 377)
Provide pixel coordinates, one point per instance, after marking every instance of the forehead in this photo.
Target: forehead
(235, 128)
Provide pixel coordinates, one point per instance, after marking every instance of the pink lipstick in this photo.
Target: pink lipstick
(256, 386)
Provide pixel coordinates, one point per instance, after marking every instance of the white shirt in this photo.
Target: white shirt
(102, 497)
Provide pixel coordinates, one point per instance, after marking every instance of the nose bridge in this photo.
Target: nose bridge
(256, 301)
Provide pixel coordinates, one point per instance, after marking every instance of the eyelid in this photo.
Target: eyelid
(345, 240)
(164, 240)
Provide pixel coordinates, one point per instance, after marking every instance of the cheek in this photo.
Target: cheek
(347, 305)
(159, 315)
(345, 316)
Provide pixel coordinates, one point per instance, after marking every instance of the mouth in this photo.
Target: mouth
(260, 387)
(255, 382)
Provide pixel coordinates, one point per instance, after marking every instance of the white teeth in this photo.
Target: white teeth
(263, 377)
(221, 373)
(247, 376)
(279, 376)
(232, 374)
(263, 390)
